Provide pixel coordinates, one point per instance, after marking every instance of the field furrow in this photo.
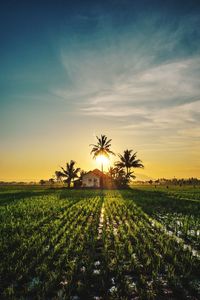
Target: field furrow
(103, 244)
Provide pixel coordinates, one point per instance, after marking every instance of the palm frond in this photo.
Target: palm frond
(102, 147)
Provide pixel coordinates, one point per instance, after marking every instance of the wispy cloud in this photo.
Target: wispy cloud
(159, 95)
(134, 63)
(148, 80)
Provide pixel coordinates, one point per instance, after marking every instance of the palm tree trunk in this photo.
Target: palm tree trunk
(102, 176)
(127, 171)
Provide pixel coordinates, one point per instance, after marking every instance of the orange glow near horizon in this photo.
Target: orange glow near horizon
(32, 160)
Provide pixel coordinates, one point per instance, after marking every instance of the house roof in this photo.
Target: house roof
(97, 173)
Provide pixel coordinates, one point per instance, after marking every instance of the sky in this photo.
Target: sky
(71, 70)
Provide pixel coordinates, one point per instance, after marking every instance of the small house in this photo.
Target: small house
(93, 179)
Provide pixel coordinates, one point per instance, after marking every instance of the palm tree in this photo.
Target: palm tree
(58, 176)
(128, 161)
(82, 173)
(121, 179)
(112, 172)
(118, 177)
(70, 172)
(102, 148)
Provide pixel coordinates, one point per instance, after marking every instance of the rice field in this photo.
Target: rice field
(140, 243)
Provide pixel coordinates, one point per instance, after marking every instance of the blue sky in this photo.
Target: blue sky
(73, 69)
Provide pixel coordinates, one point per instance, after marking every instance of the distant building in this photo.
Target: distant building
(93, 179)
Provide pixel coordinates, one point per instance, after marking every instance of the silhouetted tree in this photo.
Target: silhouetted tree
(121, 179)
(51, 181)
(112, 172)
(82, 172)
(70, 173)
(42, 182)
(79, 181)
(58, 176)
(102, 148)
(128, 161)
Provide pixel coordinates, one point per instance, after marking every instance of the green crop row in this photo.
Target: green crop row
(65, 244)
(144, 260)
(42, 240)
(178, 215)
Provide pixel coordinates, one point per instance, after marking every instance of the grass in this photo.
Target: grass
(141, 243)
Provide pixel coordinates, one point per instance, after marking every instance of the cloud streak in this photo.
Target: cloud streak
(145, 79)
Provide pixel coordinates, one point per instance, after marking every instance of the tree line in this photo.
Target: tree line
(120, 174)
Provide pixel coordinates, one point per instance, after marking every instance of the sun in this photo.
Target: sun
(102, 159)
